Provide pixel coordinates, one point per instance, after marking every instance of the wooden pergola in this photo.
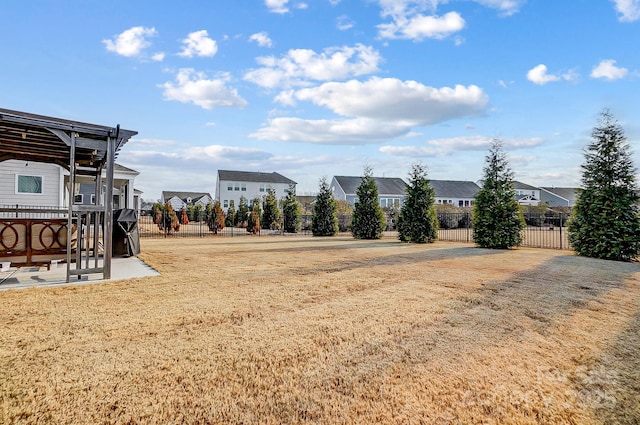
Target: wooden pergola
(85, 150)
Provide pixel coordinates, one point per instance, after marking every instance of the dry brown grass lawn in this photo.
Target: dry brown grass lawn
(277, 330)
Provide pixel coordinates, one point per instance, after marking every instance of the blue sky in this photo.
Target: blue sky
(326, 87)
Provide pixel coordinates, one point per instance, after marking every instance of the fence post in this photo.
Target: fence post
(561, 230)
(468, 220)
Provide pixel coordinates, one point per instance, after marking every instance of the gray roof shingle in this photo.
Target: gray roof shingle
(253, 177)
(454, 188)
(568, 193)
(386, 185)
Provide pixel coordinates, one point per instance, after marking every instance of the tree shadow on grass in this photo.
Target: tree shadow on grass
(613, 390)
(430, 252)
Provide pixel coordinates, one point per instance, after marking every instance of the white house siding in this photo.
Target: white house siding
(176, 203)
(52, 188)
(456, 202)
(204, 201)
(250, 190)
(337, 191)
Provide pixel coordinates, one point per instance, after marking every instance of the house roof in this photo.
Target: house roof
(523, 186)
(454, 188)
(195, 196)
(253, 177)
(568, 193)
(123, 169)
(386, 185)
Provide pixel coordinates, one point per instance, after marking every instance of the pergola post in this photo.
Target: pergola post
(70, 197)
(108, 209)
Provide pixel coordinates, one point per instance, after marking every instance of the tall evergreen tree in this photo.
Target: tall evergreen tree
(165, 217)
(243, 212)
(367, 221)
(497, 219)
(215, 217)
(417, 220)
(605, 222)
(230, 218)
(291, 211)
(253, 222)
(324, 221)
(270, 211)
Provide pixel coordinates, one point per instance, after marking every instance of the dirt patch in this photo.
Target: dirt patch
(329, 330)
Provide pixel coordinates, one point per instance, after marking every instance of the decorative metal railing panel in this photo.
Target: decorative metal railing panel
(33, 241)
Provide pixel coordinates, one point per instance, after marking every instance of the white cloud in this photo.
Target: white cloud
(299, 66)
(198, 43)
(158, 57)
(629, 10)
(448, 146)
(506, 7)
(344, 23)
(277, 6)
(409, 20)
(262, 38)
(334, 2)
(219, 152)
(131, 42)
(330, 132)
(194, 87)
(608, 70)
(420, 26)
(539, 75)
(391, 99)
(375, 111)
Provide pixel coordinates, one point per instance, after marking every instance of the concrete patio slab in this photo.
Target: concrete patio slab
(27, 277)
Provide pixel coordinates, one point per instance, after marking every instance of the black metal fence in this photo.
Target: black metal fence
(30, 211)
(546, 230)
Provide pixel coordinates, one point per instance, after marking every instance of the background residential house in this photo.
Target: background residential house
(180, 200)
(559, 196)
(232, 185)
(40, 184)
(455, 192)
(391, 190)
(526, 194)
(123, 190)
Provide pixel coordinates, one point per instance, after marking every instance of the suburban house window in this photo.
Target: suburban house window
(236, 187)
(77, 199)
(261, 187)
(229, 186)
(226, 203)
(93, 199)
(243, 187)
(460, 203)
(29, 184)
